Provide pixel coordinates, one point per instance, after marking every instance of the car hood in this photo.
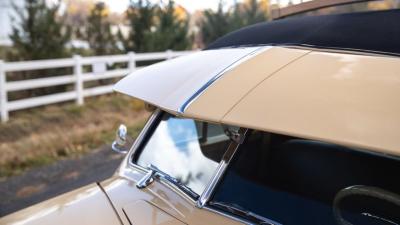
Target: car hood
(87, 205)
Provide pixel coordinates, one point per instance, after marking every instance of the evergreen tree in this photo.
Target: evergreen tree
(236, 17)
(40, 32)
(214, 24)
(253, 13)
(217, 24)
(140, 16)
(170, 31)
(98, 31)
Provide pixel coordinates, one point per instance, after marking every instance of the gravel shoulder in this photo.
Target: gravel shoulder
(45, 182)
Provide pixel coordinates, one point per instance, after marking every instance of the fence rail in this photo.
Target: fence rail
(78, 78)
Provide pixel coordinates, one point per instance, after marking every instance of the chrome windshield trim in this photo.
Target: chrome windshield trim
(230, 152)
(127, 162)
(143, 133)
(135, 147)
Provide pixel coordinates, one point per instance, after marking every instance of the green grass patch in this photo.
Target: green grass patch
(44, 135)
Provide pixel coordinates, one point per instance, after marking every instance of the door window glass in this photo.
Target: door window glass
(296, 181)
(186, 149)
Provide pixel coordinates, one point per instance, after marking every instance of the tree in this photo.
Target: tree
(155, 28)
(170, 31)
(236, 17)
(214, 24)
(40, 32)
(253, 13)
(78, 11)
(98, 31)
(140, 16)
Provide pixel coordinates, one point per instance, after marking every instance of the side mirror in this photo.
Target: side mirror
(121, 140)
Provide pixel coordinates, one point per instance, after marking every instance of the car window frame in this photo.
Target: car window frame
(150, 131)
(137, 147)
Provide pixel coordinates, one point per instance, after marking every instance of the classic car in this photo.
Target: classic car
(295, 121)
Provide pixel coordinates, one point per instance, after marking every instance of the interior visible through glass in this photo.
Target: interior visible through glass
(296, 181)
(186, 149)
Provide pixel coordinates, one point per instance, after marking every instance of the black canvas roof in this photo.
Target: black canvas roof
(376, 31)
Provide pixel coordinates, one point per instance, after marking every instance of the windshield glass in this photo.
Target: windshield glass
(185, 149)
(296, 181)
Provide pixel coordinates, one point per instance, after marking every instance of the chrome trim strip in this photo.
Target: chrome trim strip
(205, 196)
(239, 219)
(232, 217)
(226, 158)
(143, 133)
(137, 167)
(217, 76)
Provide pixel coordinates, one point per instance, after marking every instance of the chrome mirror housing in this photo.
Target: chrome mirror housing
(121, 140)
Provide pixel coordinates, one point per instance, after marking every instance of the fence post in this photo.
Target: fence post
(131, 61)
(169, 54)
(78, 79)
(3, 94)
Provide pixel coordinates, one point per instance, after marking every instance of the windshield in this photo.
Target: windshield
(186, 149)
(296, 181)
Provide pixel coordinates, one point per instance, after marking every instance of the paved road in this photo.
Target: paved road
(45, 182)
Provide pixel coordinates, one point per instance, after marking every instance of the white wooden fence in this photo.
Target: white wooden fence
(77, 78)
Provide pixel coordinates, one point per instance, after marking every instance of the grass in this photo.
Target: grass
(44, 135)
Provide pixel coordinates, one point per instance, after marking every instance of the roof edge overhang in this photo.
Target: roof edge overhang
(172, 85)
(352, 101)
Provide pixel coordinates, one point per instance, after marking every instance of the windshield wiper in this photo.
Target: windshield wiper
(237, 210)
(154, 172)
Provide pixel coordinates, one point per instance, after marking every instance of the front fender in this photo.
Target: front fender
(87, 205)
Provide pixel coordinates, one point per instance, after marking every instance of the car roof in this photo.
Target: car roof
(343, 97)
(374, 31)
